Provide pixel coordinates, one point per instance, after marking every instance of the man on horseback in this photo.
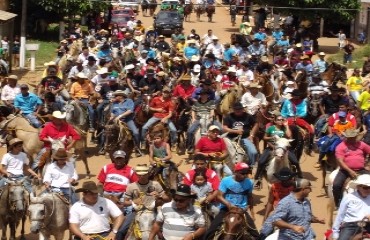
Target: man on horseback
(52, 83)
(28, 104)
(57, 128)
(254, 100)
(320, 64)
(277, 34)
(351, 157)
(123, 110)
(10, 90)
(305, 65)
(243, 125)
(235, 191)
(163, 109)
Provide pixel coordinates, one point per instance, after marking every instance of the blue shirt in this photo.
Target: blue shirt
(236, 193)
(283, 43)
(260, 36)
(321, 65)
(228, 54)
(288, 110)
(122, 107)
(277, 35)
(295, 212)
(366, 120)
(191, 51)
(105, 54)
(27, 104)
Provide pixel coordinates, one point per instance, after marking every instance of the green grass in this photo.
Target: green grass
(359, 56)
(46, 52)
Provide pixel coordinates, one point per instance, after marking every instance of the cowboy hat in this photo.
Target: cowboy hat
(264, 59)
(141, 169)
(184, 77)
(103, 31)
(363, 179)
(298, 45)
(350, 133)
(289, 82)
(176, 59)
(160, 36)
(191, 41)
(15, 77)
(237, 106)
(81, 75)
(59, 115)
(61, 153)
(64, 41)
(195, 58)
(231, 69)
(215, 38)
(14, 141)
(184, 191)
(51, 63)
(161, 74)
(254, 85)
(129, 67)
(305, 57)
(119, 93)
(103, 70)
(214, 127)
(322, 54)
(89, 186)
(285, 174)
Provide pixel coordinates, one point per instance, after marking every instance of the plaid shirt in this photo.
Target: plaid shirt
(295, 212)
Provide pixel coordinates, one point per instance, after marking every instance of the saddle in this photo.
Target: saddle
(123, 131)
(46, 157)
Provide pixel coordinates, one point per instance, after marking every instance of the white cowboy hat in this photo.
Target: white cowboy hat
(289, 82)
(81, 75)
(298, 45)
(264, 59)
(322, 54)
(215, 38)
(103, 70)
(59, 115)
(176, 59)
(130, 66)
(361, 180)
(51, 63)
(195, 58)
(231, 69)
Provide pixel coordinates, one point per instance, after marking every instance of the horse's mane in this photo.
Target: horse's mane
(77, 119)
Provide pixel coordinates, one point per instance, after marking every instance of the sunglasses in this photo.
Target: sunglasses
(179, 200)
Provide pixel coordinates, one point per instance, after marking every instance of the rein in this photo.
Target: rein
(45, 224)
(239, 234)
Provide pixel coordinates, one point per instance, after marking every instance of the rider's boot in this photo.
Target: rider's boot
(138, 153)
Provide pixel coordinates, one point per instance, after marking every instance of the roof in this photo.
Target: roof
(5, 16)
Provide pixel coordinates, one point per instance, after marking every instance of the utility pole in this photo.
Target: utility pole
(22, 51)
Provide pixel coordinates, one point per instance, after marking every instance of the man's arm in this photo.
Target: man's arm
(155, 230)
(75, 229)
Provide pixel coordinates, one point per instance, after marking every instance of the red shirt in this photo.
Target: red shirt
(211, 175)
(180, 91)
(115, 180)
(206, 145)
(50, 130)
(279, 192)
(350, 118)
(353, 155)
(165, 104)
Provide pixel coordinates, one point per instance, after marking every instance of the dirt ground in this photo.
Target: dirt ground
(222, 28)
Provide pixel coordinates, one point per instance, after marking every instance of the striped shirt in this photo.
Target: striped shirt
(318, 88)
(177, 225)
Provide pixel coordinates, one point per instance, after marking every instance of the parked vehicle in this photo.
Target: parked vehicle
(165, 22)
(134, 4)
(121, 16)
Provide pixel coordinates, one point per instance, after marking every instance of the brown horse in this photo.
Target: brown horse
(302, 83)
(210, 10)
(199, 10)
(267, 87)
(142, 112)
(335, 73)
(187, 11)
(227, 101)
(236, 226)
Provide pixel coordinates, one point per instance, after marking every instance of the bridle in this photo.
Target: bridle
(12, 202)
(44, 224)
(239, 234)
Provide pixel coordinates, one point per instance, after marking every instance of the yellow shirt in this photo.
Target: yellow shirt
(81, 91)
(354, 83)
(45, 73)
(180, 47)
(364, 100)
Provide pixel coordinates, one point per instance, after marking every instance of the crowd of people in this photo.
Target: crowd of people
(121, 66)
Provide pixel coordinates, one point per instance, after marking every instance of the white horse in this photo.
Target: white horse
(205, 121)
(48, 216)
(279, 160)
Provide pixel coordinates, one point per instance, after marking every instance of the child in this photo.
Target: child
(15, 163)
(5, 47)
(160, 154)
(203, 189)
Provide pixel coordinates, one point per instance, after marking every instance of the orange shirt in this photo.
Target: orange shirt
(81, 91)
(166, 104)
(279, 192)
(339, 127)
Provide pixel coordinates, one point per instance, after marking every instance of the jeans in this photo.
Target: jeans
(66, 193)
(33, 120)
(251, 150)
(192, 130)
(134, 130)
(225, 169)
(347, 58)
(355, 95)
(348, 230)
(65, 95)
(100, 110)
(90, 110)
(26, 183)
(218, 221)
(338, 183)
(264, 160)
(320, 124)
(122, 231)
(153, 120)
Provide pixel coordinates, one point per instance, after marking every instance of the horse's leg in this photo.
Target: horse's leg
(44, 236)
(22, 230)
(58, 236)
(172, 177)
(4, 224)
(12, 226)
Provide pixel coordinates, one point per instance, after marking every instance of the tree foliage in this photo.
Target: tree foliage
(330, 8)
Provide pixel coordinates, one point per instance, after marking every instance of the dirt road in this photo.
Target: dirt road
(222, 28)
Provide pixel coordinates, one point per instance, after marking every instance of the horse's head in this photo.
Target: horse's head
(57, 143)
(111, 133)
(16, 193)
(37, 213)
(69, 108)
(235, 223)
(281, 148)
(300, 76)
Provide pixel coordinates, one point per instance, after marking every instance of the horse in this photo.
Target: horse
(236, 226)
(199, 10)
(144, 216)
(182, 122)
(228, 101)
(174, 176)
(279, 159)
(301, 80)
(49, 216)
(19, 127)
(77, 116)
(14, 204)
(187, 11)
(236, 152)
(144, 7)
(117, 136)
(210, 10)
(152, 7)
(335, 73)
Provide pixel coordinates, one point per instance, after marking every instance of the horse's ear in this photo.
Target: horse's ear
(63, 138)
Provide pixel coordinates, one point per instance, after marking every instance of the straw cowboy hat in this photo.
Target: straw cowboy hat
(363, 179)
(254, 85)
(191, 41)
(59, 115)
(119, 93)
(61, 153)
(81, 75)
(51, 63)
(14, 141)
(89, 186)
(103, 70)
(264, 59)
(231, 69)
(350, 133)
(15, 77)
(141, 169)
(103, 31)
(184, 77)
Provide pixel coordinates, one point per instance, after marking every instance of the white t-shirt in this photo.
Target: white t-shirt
(58, 177)
(98, 80)
(9, 93)
(94, 219)
(244, 75)
(14, 163)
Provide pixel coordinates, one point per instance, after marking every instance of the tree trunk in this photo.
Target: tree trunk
(62, 26)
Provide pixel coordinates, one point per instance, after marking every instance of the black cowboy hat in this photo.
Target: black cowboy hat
(207, 82)
(211, 56)
(335, 88)
(237, 106)
(296, 93)
(285, 174)
(151, 60)
(184, 191)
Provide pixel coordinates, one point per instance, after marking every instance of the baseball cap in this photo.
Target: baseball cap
(241, 166)
(213, 127)
(119, 154)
